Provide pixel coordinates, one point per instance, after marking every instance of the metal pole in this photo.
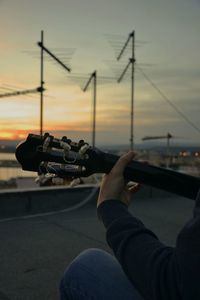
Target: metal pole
(132, 92)
(131, 61)
(94, 109)
(168, 151)
(41, 83)
(94, 78)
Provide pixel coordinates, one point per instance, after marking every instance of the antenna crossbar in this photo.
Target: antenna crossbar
(23, 92)
(124, 72)
(89, 80)
(40, 44)
(125, 45)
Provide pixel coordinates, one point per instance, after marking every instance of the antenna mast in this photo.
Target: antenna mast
(132, 62)
(94, 77)
(41, 82)
(44, 49)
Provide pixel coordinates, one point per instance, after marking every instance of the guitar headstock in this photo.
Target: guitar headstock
(62, 157)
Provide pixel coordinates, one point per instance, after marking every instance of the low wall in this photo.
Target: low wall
(19, 202)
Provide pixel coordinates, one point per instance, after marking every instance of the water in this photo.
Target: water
(7, 156)
(7, 173)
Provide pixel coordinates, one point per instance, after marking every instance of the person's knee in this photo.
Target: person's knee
(82, 269)
(88, 258)
(91, 254)
(92, 274)
(84, 259)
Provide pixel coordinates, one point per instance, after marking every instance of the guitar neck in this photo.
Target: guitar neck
(30, 157)
(171, 181)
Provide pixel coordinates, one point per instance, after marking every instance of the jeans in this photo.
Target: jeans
(96, 275)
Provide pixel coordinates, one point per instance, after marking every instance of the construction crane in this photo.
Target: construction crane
(168, 136)
(22, 92)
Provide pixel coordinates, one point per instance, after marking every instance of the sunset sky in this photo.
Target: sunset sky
(167, 50)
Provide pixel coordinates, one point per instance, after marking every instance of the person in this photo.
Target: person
(142, 268)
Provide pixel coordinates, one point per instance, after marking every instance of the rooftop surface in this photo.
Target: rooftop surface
(35, 250)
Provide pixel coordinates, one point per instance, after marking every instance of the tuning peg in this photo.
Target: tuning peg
(46, 135)
(47, 142)
(66, 140)
(81, 143)
(82, 151)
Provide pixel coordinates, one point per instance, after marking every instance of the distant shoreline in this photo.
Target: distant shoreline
(7, 151)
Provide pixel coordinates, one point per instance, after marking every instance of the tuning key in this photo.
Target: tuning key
(66, 140)
(46, 135)
(81, 143)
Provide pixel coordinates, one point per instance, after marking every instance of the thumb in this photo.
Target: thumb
(122, 162)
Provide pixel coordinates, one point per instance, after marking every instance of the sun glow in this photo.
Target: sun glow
(8, 136)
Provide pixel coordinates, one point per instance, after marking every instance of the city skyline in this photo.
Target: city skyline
(167, 43)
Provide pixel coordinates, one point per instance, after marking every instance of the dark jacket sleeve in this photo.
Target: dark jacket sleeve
(188, 255)
(157, 271)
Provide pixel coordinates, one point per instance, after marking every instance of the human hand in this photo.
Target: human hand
(113, 185)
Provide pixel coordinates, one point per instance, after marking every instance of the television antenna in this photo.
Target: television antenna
(93, 77)
(46, 50)
(131, 39)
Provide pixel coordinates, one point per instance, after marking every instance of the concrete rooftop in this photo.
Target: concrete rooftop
(35, 250)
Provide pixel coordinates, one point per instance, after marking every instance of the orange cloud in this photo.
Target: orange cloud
(12, 135)
(19, 134)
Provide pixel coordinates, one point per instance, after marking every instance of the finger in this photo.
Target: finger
(135, 188)
(130, 183)
(122, 162)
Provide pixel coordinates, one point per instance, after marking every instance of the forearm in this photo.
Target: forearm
(142, 256)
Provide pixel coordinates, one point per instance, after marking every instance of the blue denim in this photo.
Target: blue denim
(96, 275)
